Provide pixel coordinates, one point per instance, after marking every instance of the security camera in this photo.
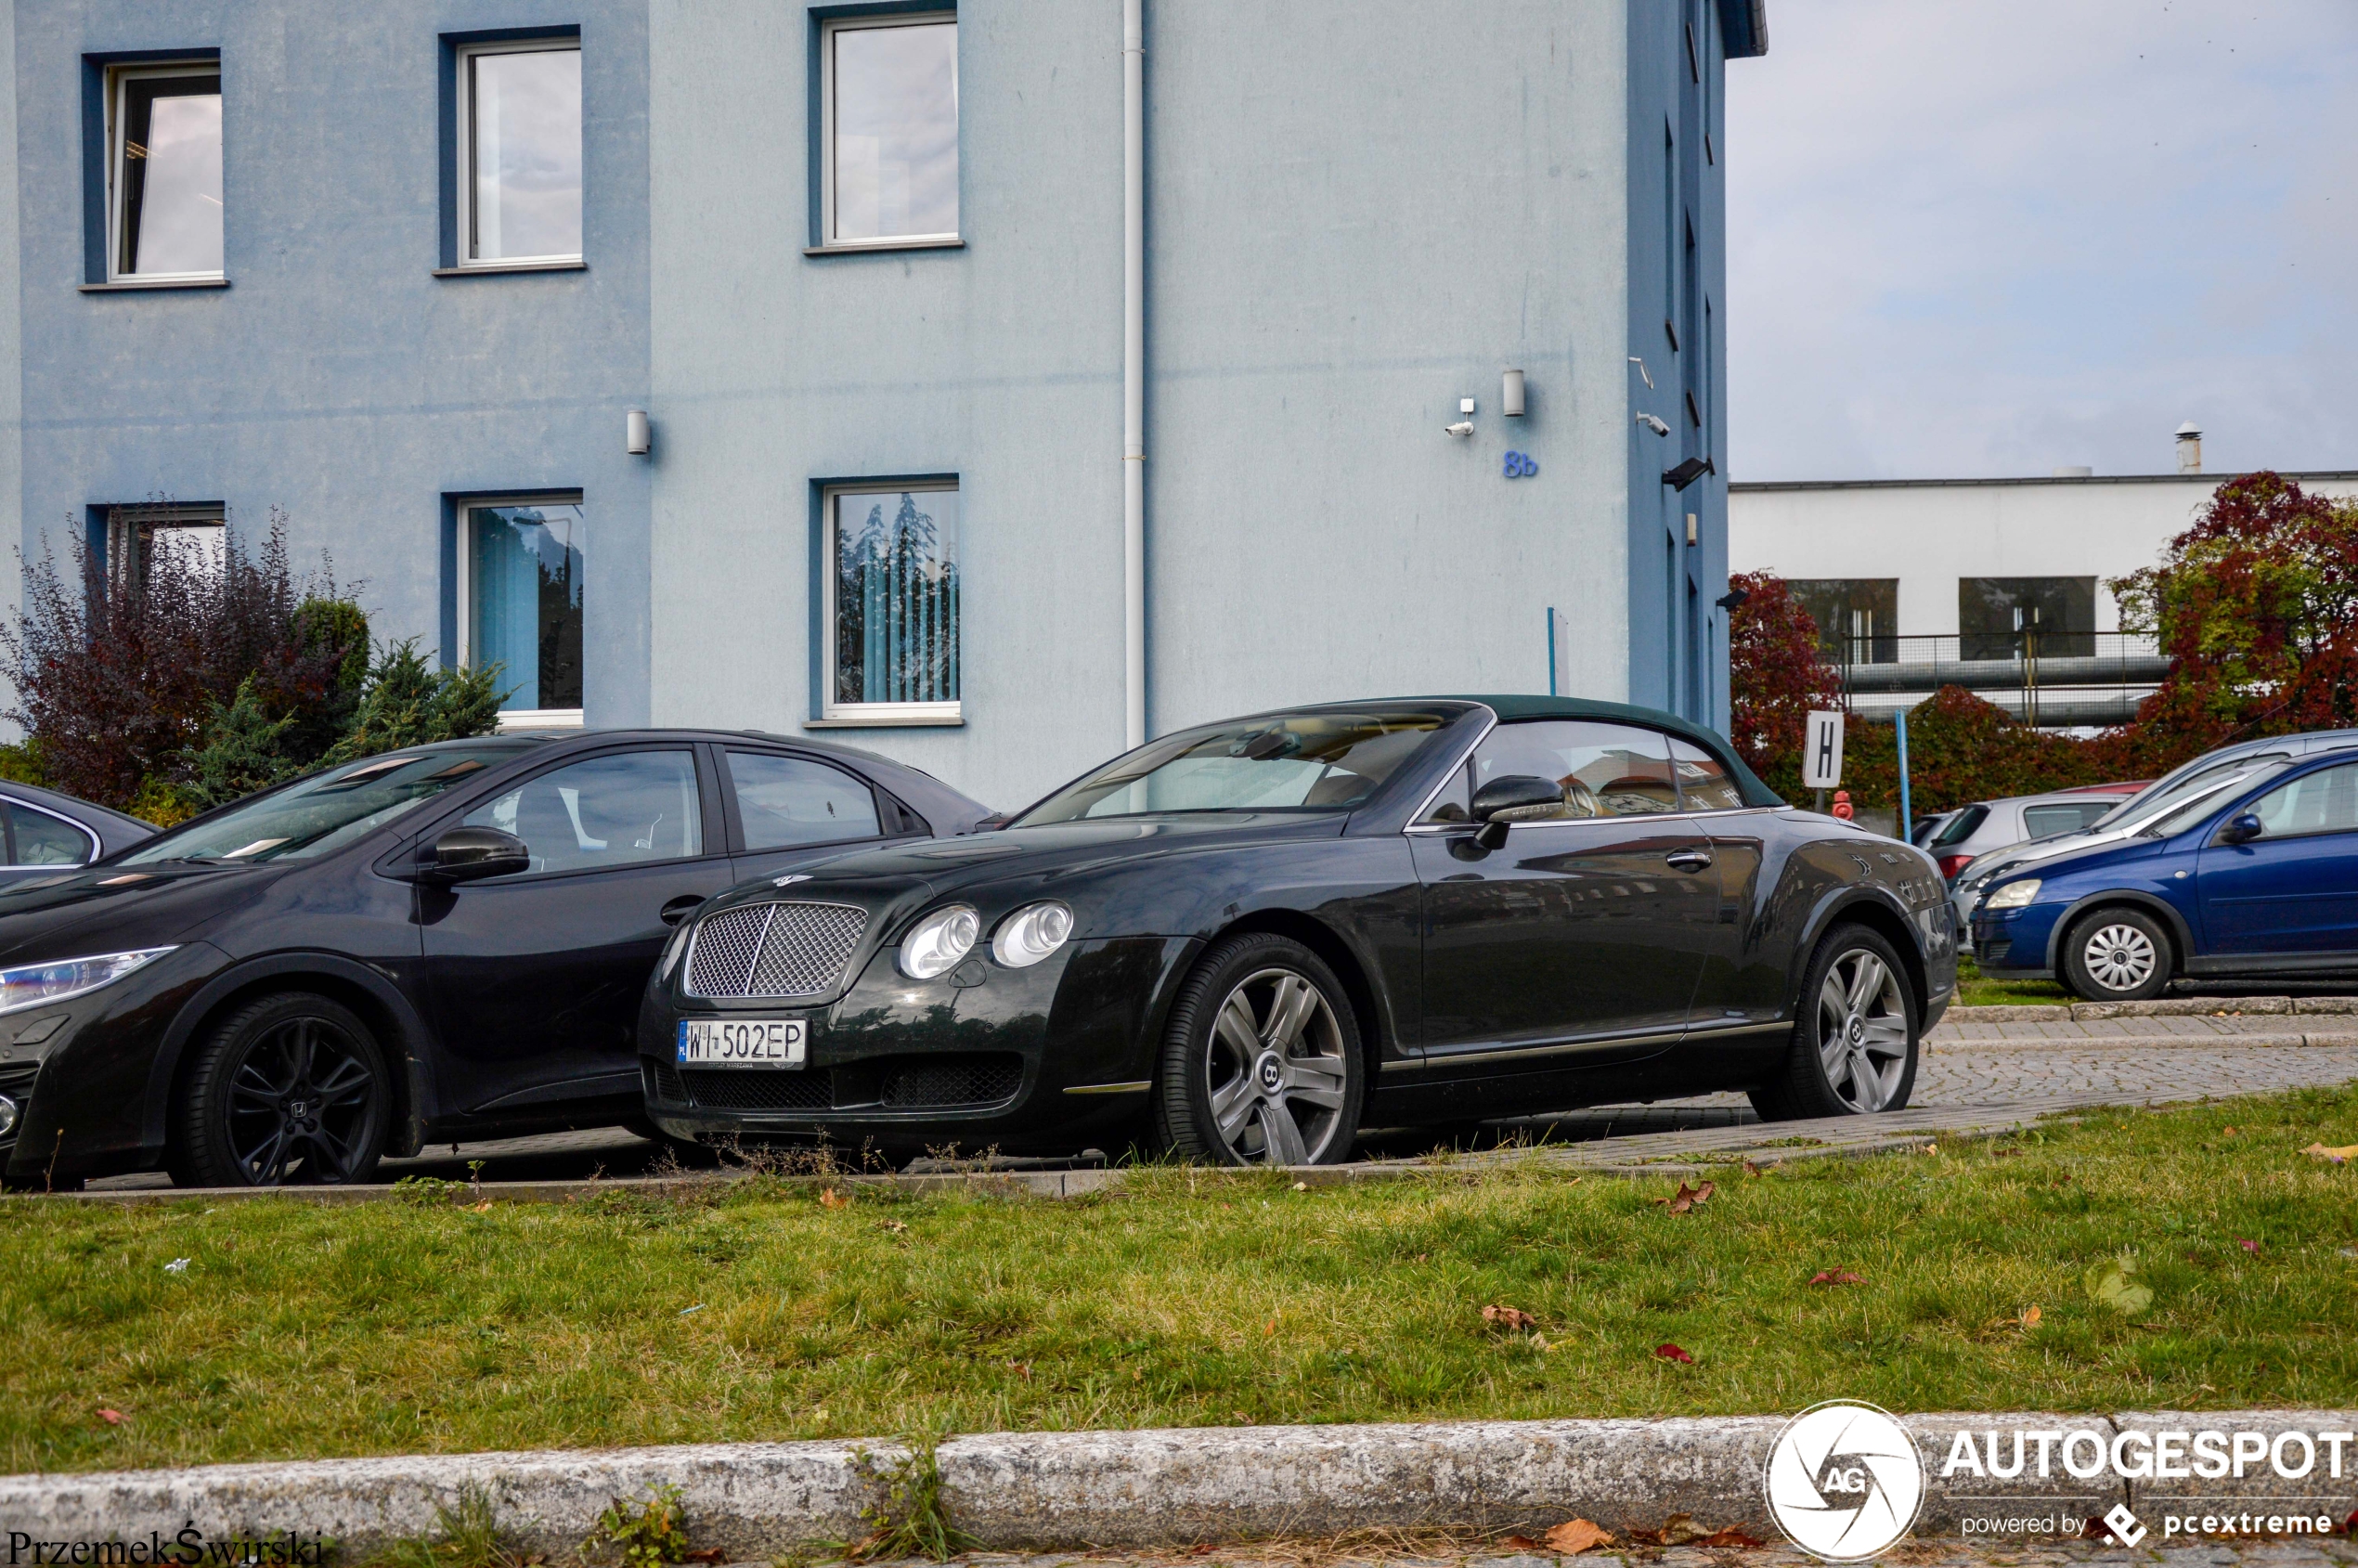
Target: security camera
(1654, 424)
(1463, 427)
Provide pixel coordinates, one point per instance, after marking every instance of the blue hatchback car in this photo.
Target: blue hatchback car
(2259, 881)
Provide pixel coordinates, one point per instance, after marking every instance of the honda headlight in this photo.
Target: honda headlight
(33, 985)
(938, 941)
(1030, 934)
(2014, 895)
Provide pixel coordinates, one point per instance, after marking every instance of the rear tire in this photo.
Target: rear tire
(1261, 1063)
(1855, 1034)
(291, 1090)
(2117, 954)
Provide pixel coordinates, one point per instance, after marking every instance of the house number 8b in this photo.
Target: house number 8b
(1520, 466)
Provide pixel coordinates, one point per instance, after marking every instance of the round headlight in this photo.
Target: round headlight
(940, 940)
(7, 1115)
(1030, 934)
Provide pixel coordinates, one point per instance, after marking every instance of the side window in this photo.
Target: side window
(2038, 822)
(1604, 770)
(2325, 801)
(787, 801)
(605, 811)
(1705, 784)
(41, 839)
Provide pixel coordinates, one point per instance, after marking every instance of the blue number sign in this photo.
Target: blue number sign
(1521, 466)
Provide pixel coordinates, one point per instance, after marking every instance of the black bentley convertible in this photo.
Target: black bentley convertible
(1244, 941)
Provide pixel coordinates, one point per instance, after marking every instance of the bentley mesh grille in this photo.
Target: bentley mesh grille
(750, 1090)
(774, 949)
(963, 1080)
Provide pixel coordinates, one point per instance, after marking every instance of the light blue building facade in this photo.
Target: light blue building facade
(867, 272)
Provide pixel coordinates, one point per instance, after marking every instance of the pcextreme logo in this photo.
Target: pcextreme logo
(1844, 1481)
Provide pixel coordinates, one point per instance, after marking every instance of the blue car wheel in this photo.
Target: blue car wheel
(2117, 954)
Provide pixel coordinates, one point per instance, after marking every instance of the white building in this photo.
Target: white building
(1912, 578)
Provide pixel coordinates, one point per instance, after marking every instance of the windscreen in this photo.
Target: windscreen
(2195, 777)
(321, 814)
(1309, 761)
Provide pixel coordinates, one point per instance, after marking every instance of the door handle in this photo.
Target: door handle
(677, 909)
(1690, 860)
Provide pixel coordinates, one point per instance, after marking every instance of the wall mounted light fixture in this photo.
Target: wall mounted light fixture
(638, 436)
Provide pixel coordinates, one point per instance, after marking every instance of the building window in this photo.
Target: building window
(519, 142)
(163, 172)
(195, 539)
(2009, 617)
(519, 604)
(1858, 617)
(889, 117)
(892, 608)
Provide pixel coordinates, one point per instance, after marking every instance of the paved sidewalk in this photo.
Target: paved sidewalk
(1960, 1027)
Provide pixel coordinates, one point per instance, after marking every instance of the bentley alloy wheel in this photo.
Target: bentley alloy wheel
(1855, 1034)
(1261, 1065)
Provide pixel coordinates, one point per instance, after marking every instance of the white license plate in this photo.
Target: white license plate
(740, 1042)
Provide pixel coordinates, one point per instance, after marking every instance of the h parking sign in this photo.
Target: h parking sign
(1822, 752)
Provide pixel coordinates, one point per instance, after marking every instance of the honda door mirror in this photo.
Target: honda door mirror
(469, 854)
(1516, 797)
(2241, 828)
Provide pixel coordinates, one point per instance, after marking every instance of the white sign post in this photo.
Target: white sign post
(1822, 752)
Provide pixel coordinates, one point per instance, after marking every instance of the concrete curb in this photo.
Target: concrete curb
(1121, 1488)
(2160, 1007)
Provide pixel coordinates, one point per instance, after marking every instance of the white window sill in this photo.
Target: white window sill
(479, 269)
(918, 243)
(887, 721)
(133, 285)
(525, 720)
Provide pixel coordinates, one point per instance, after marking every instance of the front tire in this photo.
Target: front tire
(1856, 1037)
(1261, 1064)
(291, 1090)
(2117, 955)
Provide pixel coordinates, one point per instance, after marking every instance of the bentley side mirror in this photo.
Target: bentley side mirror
(1513, 797)
(469, 854)
(2241, 828)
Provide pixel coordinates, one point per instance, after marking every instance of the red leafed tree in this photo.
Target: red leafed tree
(2257, 607)
(1775, 676)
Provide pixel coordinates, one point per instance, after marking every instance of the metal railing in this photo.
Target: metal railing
(2051, 678)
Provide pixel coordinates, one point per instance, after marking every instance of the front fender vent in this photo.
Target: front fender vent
(774, 949)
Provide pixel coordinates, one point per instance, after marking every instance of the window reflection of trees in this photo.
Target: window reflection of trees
(896, 609)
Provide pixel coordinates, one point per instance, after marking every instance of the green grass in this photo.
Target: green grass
(301, 1329)
(1974, 991)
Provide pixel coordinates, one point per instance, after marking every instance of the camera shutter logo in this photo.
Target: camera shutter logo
(1844, 1481)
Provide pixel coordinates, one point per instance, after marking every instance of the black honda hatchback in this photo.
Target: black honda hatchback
(443, 943)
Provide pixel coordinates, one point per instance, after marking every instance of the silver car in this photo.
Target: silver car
(2209, 773)
(1985, 825)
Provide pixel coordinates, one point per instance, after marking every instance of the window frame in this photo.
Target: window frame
(1423, 822)
(710, 809)
(823, 239)
(462, 594)
(117, 82)
(462, 193)
(881, 715)
(11, 806)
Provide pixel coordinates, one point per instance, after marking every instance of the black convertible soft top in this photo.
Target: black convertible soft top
(1512, 707)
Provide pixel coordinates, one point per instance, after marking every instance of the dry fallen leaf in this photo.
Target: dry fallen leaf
(112, 1418)
(1731, 1536)
(1576, 1536)
(713, 1555)
(895, 1227)
(1687, 1196)
(2030, 1317)
(2248, 1245)
(830, 1198)
(1835, 1276)
(1520, 1543)
(1508, 1317)
(1681, 1528)
(1669, 1351)
(2338, 1156)
(482, 1208)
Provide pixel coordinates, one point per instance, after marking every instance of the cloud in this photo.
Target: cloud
(1995, 238)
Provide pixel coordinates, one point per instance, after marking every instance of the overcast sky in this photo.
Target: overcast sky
(1996, 237)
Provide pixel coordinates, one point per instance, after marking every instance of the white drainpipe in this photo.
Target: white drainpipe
(1133, 370)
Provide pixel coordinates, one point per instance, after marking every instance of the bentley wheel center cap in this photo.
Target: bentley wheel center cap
(1273, 1077)
(1857, 1031)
